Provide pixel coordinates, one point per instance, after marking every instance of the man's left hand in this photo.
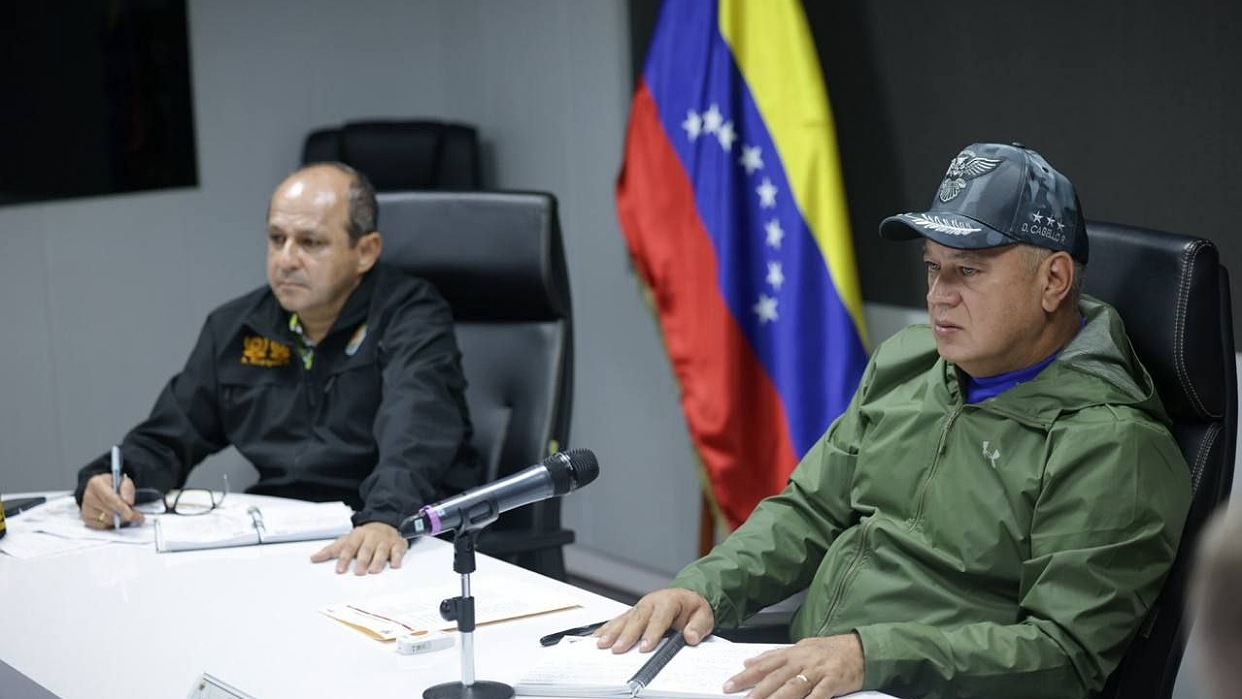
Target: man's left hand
(818, 668)
(369, 546)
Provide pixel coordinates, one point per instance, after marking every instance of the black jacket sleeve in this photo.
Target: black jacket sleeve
(422, 426)
(184, 427)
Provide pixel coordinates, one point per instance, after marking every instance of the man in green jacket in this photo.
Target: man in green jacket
(997, 508)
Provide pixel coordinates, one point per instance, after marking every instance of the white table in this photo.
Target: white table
(125, 621)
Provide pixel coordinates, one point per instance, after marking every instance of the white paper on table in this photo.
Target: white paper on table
(24, 542)
(386, 617)
(61, 517)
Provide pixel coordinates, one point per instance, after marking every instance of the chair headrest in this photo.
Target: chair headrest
(402, 155)
(494, 256)
(1167, 288)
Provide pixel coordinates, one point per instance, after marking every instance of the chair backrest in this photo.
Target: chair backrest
(1173, 295)
(402, 155)
(497, 258)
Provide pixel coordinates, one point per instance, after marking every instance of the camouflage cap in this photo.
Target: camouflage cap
(993, 195)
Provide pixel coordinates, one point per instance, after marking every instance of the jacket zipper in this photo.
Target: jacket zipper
(856, 562)
(935, 466)
(309, 388)
(847, 577)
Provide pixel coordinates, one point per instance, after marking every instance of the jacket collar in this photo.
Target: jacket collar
(270, 320)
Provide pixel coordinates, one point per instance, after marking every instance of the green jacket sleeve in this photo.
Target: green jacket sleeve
(1106, 527)
(777, 550)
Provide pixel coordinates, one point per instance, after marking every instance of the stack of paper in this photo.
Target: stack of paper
(386, 617)
(56, 527)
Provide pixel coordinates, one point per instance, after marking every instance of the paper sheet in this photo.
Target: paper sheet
(386, 617)
(22, 542)
(60, 517)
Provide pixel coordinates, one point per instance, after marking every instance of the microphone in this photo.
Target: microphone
(478, 507)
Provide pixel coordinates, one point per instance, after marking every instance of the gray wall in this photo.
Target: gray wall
(102, 298)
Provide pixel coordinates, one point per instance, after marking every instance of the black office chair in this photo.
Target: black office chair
(497, 258)
(402, 155)
(1173, 294)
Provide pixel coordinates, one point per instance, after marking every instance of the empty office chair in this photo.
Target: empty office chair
(497, 258)
(1173, 295)
(402, 155)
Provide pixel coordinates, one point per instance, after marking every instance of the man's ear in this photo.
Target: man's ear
(369, 247)
(1058, 277)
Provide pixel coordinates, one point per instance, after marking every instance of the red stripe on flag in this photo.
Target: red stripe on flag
(734, 413)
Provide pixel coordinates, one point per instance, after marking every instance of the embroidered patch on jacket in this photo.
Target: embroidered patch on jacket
(965, 167)
(260, 351)
(356, 341)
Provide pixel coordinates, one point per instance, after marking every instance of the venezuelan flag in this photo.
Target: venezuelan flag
(732, 206)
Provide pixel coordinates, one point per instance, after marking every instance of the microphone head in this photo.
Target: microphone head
(585, 466)
(571, 469)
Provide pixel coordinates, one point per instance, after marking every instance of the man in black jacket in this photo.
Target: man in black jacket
(339, 380)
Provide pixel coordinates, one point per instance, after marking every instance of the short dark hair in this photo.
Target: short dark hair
(363, 210)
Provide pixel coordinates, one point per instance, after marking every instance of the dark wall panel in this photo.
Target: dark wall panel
(96, 99)
(1134, 101)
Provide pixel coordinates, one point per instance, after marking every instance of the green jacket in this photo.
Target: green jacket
(1008, 548)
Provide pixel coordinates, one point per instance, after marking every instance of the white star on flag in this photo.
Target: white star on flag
(767, 194)
(776, 276)
(727, 136)
(765, 308)
(752, 159)
(1037, 218)
(712, 119)
(775, 234)
(693, 124)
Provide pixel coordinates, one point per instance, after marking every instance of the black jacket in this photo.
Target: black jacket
(378, 421)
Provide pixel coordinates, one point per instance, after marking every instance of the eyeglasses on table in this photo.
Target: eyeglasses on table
(186, 501)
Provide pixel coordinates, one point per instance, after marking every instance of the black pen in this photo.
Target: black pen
(555, 638)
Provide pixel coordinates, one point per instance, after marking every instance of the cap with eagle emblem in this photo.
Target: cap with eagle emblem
(995, 194)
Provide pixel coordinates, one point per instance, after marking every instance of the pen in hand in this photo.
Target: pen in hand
(555, 638)
(116, 483)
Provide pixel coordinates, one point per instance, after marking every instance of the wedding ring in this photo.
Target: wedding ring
(103, 516)
(802, 677)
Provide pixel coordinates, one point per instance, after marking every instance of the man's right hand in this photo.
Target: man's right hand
(100, 501)
(654, 614)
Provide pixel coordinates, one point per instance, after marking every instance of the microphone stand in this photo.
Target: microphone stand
(461, 610)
